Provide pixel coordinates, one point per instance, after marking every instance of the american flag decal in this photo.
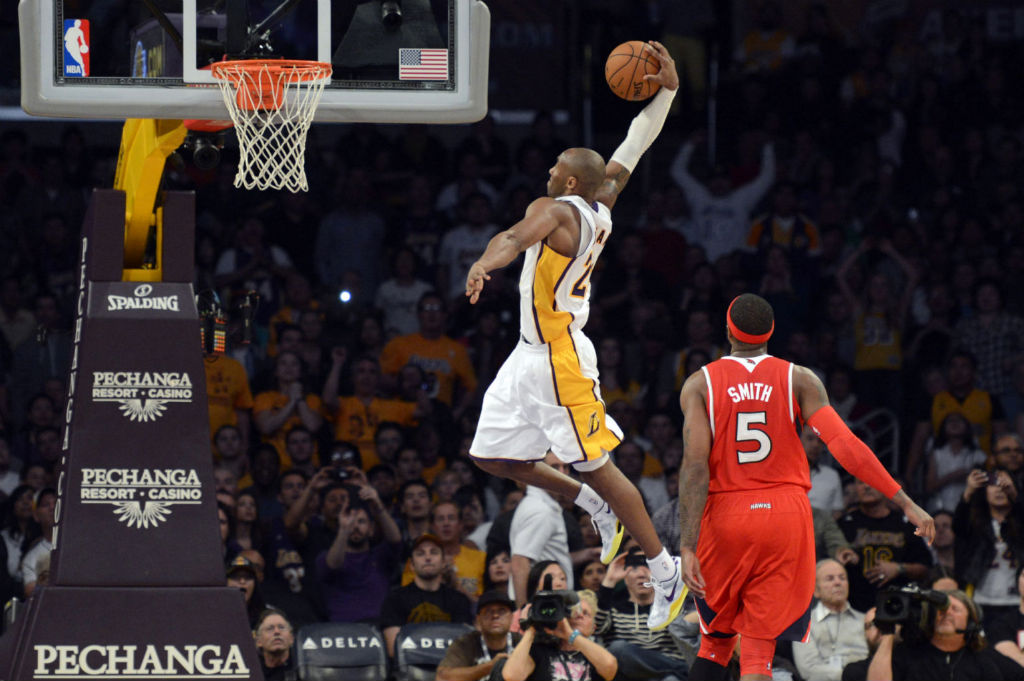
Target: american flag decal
(419, 64)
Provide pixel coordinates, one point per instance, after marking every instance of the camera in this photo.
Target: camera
(213, 323)
(205, 148)
(391, 13)
(340, 459)
(910, 606)
(636, 558)
(549, 607)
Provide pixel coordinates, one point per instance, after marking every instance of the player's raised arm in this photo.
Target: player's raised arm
(644, 128)
(851, 453)
(543, 217)
(694, 477)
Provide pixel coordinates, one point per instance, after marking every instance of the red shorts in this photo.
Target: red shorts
(756, 553)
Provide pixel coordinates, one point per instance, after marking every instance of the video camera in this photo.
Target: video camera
(391, 13)
(549, 607)
(213, 320)
(910, 606)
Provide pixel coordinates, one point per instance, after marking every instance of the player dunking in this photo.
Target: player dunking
(547, 394)
(744, 482)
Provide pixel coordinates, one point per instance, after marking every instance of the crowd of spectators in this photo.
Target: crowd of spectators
(867, 184)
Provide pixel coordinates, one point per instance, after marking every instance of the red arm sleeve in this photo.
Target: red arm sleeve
(851, 453)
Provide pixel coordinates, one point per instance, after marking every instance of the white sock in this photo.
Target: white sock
(588, 500)
(663, 568)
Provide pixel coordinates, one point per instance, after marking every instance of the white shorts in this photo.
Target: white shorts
(546, 397)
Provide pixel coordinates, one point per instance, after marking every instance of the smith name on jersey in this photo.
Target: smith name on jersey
(753, 415)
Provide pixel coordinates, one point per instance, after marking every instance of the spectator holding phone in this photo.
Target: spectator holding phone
(622, 622)
(355, 574)
(990, 544)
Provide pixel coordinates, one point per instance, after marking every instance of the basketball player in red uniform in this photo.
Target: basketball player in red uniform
(743, 493)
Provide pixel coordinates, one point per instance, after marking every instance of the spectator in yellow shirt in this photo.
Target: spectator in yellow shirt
(357, 416)
(228, 397)
(450, 375)
(298, 296)
(277, 411)
(228, 445)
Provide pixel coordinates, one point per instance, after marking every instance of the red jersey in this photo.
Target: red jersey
(753, 416)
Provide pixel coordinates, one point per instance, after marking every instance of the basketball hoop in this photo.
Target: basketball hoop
(272, 103)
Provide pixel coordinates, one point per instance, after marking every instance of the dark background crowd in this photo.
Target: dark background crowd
(866, 180)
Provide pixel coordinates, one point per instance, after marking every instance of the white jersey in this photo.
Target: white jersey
(554, 290)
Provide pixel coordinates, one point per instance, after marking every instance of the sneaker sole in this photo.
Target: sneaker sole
(620, 531)
(674, 609)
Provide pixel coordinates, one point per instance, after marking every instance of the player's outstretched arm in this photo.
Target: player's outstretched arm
(851, 453)
(694, 477)
(644, 129)
(543, 217)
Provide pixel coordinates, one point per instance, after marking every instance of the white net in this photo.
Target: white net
(272, 104)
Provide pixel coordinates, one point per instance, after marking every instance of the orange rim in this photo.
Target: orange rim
(258, 81)
(304, 70)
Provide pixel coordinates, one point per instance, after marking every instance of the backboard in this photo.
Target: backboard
(123, 59)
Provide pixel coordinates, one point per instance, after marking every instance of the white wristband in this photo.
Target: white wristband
(644, 129)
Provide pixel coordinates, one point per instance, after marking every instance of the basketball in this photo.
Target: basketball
(625, 70)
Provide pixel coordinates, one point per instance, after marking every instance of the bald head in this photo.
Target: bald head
(587, 166)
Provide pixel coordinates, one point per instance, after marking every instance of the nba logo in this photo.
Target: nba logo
(76, 48)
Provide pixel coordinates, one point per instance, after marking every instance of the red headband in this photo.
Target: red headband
(743, 336)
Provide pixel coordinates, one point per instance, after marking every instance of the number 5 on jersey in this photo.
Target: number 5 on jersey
(744, 433)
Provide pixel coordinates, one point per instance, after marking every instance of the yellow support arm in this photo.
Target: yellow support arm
(145, 146)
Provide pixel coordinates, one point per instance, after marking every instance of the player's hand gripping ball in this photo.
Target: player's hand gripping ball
(625, 70)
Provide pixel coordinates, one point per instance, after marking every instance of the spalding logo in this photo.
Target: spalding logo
(142, 301)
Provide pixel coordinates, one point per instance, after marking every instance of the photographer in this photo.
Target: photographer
(551, 648)
(950, 646)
